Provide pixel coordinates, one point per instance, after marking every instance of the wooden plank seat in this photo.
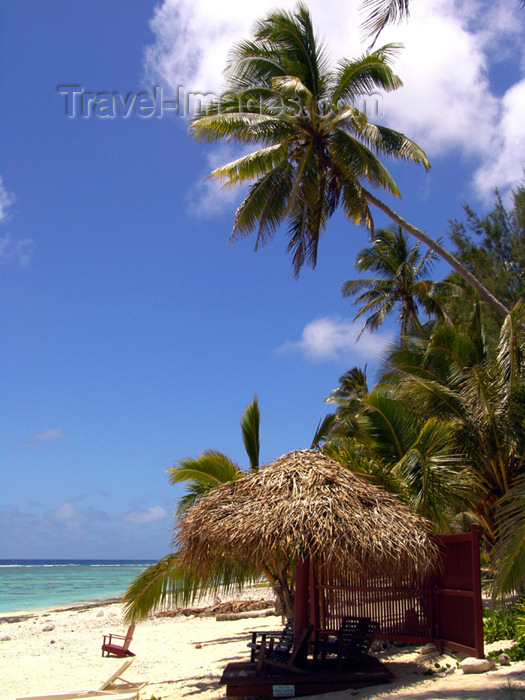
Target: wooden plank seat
(352, 641)
(283, 654)
(285, 638)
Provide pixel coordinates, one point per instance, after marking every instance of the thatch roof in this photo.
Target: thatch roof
(303, 504)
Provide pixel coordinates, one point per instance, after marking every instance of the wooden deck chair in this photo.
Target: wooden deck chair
(353, 642)
(112, 685)
(286, 655)
(109, 648)
(125, 690)
(285, 638)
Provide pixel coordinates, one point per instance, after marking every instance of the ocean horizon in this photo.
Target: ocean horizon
(35, 584)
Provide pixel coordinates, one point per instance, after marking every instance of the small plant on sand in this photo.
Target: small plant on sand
(512, 691)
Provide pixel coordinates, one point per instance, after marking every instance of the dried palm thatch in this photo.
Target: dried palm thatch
(306, 504)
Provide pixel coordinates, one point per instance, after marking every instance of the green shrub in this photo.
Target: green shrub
(499, 624)
(516, 653)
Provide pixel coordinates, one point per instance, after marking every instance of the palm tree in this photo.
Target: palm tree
(452, 377)
(383, 437)
(169, 582)
(212, 467)
(445, 429)
(349, 395)
(348, 398)
(316, 150)
(401, 282)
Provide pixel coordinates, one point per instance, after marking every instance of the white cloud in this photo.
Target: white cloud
(332, 338)
(45, 435)
(20, 250)
(67, 512)
(6, 200)
(72, 518)
(142, 517)
(447, 101)
(505, 167)
(193, 39)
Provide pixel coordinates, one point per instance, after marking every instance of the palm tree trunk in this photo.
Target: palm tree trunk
(442, 252)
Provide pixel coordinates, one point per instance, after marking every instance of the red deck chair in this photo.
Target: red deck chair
(109, 648)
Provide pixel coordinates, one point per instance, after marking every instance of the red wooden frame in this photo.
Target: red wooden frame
(446, 609)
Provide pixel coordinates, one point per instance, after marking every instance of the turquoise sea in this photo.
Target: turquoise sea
(32, 584)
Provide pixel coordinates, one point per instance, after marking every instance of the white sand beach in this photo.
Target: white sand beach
(183, 657)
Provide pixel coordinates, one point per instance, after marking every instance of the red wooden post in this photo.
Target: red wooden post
(302, 570)
(476, 588)
(314, 596)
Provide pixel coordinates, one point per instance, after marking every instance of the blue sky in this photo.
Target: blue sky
(132, 334)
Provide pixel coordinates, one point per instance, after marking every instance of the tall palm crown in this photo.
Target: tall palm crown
(317, 149)
(400, 284)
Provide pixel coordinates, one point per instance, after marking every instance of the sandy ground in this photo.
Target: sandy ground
(183, 657)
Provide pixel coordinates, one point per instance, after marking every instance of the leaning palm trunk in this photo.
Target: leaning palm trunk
(482, 291)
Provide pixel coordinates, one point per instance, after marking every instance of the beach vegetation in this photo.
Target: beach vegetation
(492, 246)
(499, 624)
(169, 583)
(402, 285)
(445, 429)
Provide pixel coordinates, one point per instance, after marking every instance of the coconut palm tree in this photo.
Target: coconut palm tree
(452, 377)
(348, 399)
(315, 149)
(401, 283)
(349, 395)
(169, 582)
(385, 438)
(203, 473)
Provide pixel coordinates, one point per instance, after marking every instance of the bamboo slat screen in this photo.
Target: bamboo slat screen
(446, 609)
(402, 609)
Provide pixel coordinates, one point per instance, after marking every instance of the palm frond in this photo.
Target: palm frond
(381, 13)
(510, 548)
(292, 34)
(170, 583)
(437, 485)
(265, 205)
(201, 475)
(357, 161)
(511, 350)
(251, 166)
(362, 76)
(250, 423)
(241, 127)
(393, 144)
(323, 430)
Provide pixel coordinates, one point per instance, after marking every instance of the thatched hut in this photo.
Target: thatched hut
(305, 505)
